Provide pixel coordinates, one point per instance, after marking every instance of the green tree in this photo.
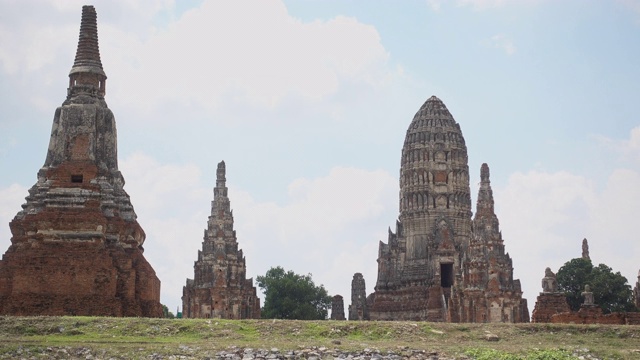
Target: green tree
(571, 279)
(167, 314)
(610, 290)
(292, 296)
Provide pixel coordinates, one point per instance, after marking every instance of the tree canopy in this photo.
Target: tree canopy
(610, 290)
(166, 313)
(292, 296)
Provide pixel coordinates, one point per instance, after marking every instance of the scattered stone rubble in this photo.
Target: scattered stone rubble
(238, 353)
(76, 247)
(318, 353)
(220, 288)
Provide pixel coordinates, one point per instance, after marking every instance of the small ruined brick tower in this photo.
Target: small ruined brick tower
(358, 308)
(337, 308)
(435, 267)
(220, 288)
(76, 247)
(636, 292)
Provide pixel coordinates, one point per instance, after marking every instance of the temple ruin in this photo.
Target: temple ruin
(76, 246)
(591, 313)
(550, 301)
(358, 309)
(552, 305)
(337, 308)
(440, 264)
(220, 288)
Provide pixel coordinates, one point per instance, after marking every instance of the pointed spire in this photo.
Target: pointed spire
(88, 52)
(87, 71)
(484, 173)
(485, 202)
(220, 174)
(220, 191)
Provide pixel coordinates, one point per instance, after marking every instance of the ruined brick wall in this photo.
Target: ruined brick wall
(80, 279)
(589, 314)
(633, 318)
(592, 314)
(548, 305)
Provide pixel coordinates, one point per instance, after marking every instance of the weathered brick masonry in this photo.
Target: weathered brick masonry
(441, 264)
(76, 246)
(220, 288)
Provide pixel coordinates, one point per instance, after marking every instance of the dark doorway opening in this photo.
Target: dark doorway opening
(446, 275)
(76, 178)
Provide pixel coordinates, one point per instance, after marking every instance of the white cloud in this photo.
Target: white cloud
(502, 42)
(435, 5)
(29, 45)
(628, 149)
(159, 186)
(256, 54)
(171, 202)
(32, 42)
(221, 54)
(543, 221)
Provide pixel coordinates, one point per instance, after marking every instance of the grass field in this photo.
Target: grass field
(100, 337)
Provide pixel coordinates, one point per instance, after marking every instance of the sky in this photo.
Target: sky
(308, 103)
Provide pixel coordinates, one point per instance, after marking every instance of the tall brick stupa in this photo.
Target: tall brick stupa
(76, 246)
(440, 264)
